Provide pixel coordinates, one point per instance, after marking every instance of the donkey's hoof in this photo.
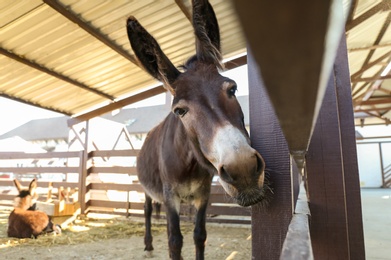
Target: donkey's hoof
(148, 254)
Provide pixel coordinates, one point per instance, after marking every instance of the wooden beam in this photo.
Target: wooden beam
(230, 64)
(269, 225)
(70, 15)
(375, 101)
(35, 104)
(297, 244)
(379, 37)
(294, 46)
(325, 185)
(37, 66)
(349, 153)
(372, 109)
(371, 79)
(371, 47)
(370, 64)
(184, 9)
(368, 14)
(116, 105)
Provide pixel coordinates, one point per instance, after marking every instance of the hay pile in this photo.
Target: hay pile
(94, 227)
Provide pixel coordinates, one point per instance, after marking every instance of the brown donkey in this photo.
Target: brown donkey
(26, 222)
(204, 135)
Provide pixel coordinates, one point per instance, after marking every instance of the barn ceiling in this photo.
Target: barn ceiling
(73, 56)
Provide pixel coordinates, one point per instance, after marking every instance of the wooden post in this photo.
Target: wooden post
(332, 173)
(269, 225)
(83, 172)
(325, 184)
(384, 185)
(349, 152)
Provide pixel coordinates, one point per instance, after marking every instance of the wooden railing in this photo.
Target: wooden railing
(104, 186)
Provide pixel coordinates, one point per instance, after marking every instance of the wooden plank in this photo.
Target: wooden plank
(48, 155)
(294, 45)
(297, 244)
(117, 186)
(209, 219)
(113, 153)
(9, 197)
(83, 173)
(325, 184)
(40, 183)
(113, 169)
(365, 16)
(37, 170)
(116, 204)
(269, 225)
(116, 105)
(349, 153)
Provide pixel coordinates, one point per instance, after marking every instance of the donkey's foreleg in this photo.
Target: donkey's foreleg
(199, 234)
(175, 238)
(148, 235)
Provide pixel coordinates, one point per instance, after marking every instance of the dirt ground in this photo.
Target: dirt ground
(113, 237)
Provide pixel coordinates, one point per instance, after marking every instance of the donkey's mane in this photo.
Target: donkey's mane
(23, 194)
(193, 64)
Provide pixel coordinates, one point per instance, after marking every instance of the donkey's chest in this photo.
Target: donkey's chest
(193, 190)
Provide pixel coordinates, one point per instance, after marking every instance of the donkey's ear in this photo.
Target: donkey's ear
(150, 55)
(17, 185)
(206, 29)
(32, 186)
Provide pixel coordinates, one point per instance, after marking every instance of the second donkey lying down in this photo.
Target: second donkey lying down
(26, 222)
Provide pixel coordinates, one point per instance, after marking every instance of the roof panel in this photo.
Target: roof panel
(35, 31)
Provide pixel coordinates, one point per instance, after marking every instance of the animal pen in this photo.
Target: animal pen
(302, 124)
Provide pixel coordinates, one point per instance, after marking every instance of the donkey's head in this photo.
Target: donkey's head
(205, 103)
(27, 196)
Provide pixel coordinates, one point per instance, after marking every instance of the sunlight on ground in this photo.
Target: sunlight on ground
(78, 228)
(232, 255)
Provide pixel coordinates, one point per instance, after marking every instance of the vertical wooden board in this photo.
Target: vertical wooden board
(349, 153)
(269, 225)
(325, 184)
(296, 181)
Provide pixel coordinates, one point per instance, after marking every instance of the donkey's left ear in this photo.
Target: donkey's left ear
(206, 29)
(151, 57)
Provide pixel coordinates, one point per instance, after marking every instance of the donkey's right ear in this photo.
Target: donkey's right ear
(17, 185)
(151, 57)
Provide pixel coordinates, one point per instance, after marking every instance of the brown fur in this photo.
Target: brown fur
(26, 223)
(204, 136)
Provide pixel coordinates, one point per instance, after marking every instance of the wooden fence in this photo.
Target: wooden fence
(103, 186)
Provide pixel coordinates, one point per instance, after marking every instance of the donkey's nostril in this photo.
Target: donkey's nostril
(224, 175)
(260, 163)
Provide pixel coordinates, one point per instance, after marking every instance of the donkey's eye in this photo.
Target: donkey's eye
(232, 90)
(180, 111)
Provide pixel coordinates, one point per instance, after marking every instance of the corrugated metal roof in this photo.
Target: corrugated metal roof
(73, 56)
(37, 32)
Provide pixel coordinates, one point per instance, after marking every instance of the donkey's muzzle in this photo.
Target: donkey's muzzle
(244, 180)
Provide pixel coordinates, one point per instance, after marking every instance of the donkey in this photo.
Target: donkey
(26, 222)
(203, 136)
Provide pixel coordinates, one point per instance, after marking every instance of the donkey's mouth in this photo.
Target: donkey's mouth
(246, 200)
(251, 195)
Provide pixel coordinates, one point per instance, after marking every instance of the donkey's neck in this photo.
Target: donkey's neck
(22, 203)
(184, 144)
